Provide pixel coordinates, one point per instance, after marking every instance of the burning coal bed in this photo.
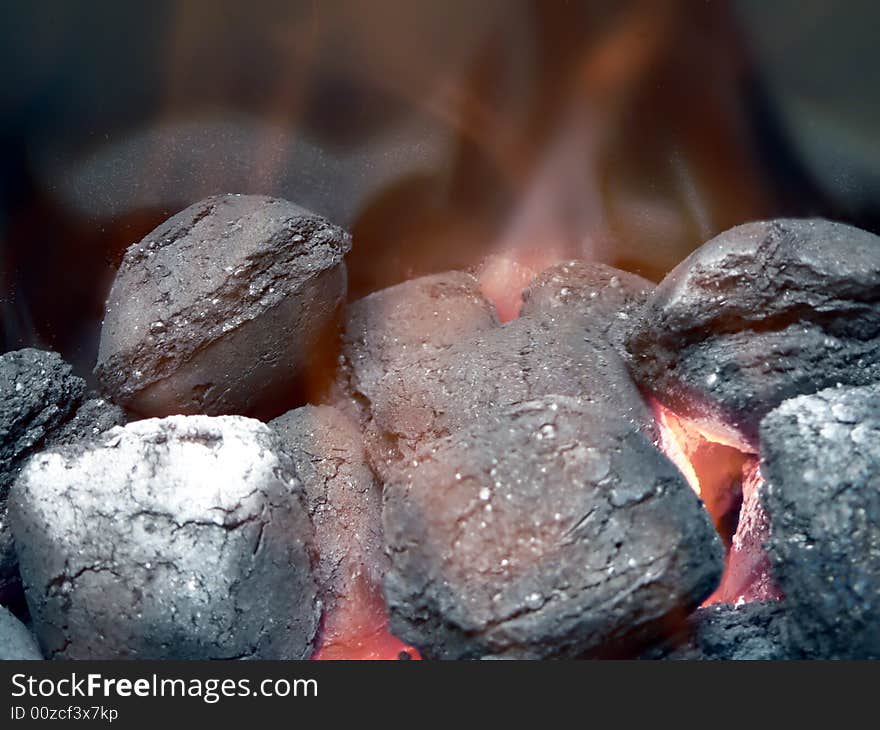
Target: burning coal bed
(687, 470)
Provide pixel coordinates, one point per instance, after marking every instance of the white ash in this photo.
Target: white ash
(184, 537)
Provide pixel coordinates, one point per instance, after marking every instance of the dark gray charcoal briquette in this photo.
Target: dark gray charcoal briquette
(179, 538)
(607, 299)
(552, 528)
(761, 313)
(419, 383)
(344, 500)
(410, 323)
(91, 419)
(759, 631)
(38, 394)
(228, 307)
(821, 462)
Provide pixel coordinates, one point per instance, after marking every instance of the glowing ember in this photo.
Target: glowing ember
(713, 469)
(747, 575)
(728, 482)
(358, 630)
(673, 438)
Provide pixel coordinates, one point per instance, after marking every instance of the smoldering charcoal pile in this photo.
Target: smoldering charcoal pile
(498, 490)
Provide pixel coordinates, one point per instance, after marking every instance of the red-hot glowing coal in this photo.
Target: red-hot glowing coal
(713, 470)
(728, 482)
(358, 630)
(747, 574)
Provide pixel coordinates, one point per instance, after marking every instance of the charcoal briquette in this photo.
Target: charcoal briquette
(226, 308)
(608, 299)
(344, 500)
(179, 538)
(38, 394)
(820, 457)
(550, 528)
(761, 313)
(411, 322)
(758, 631)
(418, 382)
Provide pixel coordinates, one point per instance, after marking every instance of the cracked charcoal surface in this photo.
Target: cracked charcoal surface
(752, 631)
(607, 298)
(761, 313)
(38, 393)
(821, 461)
(344, 501)
(552, 528)
(428, 376)
(16, 642)
(224, 308)
(184, 537)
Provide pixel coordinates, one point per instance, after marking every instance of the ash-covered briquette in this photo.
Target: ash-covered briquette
(226, 308)
(608, 299)
(177, 538)
(40, 404)
(344, 501)
(419, 383)
(552, 528)
(821, 461)
(16, 642)
(761, 630)
(761, 313)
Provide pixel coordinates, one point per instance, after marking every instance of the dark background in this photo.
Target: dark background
(439, 133)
